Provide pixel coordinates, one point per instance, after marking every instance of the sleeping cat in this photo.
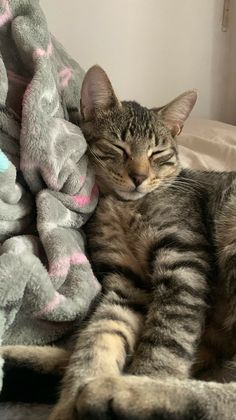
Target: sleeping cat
(162, 242)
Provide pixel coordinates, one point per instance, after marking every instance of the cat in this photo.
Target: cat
(162, 243)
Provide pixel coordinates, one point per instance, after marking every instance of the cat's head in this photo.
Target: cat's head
(133, 148)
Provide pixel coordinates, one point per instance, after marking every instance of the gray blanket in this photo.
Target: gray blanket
(47, 189)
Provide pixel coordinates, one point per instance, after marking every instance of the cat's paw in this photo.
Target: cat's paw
(136, 398)
(95, 401)
(64, 410)
(121, 398)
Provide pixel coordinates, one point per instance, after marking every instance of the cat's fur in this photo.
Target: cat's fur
(162, 242)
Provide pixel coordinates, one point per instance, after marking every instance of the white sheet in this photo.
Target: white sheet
(208, 145)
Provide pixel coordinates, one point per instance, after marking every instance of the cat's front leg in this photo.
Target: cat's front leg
(179, 270)
(103, 345)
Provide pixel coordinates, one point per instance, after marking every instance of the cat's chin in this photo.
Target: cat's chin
(128, 195)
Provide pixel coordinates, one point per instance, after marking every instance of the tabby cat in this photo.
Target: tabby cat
(163, 244)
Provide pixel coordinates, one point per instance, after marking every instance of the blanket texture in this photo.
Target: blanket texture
(47, 189)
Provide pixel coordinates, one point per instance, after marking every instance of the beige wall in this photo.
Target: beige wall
(153, 49)
(229, 113)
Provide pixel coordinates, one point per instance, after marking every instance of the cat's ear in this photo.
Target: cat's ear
(96, 93)
(177, 111)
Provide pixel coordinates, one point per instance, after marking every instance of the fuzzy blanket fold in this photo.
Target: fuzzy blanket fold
(47, 189)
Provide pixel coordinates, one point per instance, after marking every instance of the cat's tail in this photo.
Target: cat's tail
(43, 359)
(32, 373)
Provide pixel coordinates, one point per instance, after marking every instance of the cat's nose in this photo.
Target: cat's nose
(138, 179)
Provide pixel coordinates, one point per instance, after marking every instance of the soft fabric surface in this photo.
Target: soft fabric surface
(208, 145)
(47, 189)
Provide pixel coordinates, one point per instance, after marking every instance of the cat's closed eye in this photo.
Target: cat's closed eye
(111, 151)
(161, 156)
(122, 150)
(107, 157)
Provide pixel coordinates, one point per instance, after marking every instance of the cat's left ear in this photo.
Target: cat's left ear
(177, 111)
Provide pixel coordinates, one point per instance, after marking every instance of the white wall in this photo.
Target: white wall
(153, 49)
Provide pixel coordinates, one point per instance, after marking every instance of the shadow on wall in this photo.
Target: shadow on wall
(231, 93)
(223, 65)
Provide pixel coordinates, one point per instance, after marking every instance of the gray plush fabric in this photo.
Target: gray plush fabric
(47, 189)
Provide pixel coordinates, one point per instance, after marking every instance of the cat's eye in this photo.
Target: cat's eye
(161, 156)
(109, 151)
(107, 157)
(122, 149)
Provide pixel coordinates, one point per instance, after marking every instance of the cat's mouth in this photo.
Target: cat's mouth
(128, 192)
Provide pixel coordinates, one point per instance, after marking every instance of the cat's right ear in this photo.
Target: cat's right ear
(175, 113)
(96, 93)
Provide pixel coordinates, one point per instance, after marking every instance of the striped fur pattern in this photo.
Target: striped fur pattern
(162, 243)
(157, 318)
